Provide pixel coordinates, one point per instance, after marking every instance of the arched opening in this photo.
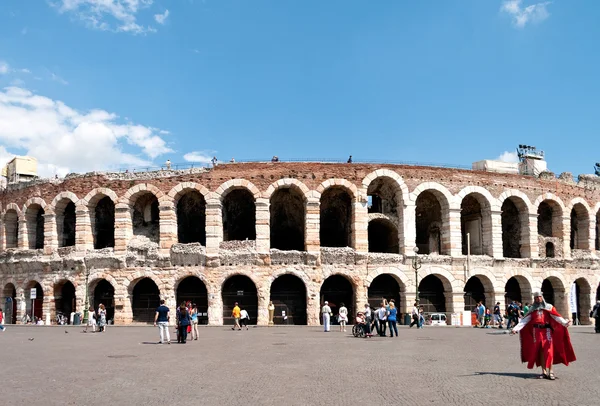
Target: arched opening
(336, 290)
(511, 229)
(549, 250)
(287, 219)
(384, 286)
(103, 222)
(336, 218)
(240, 289)
(34, 306)
(517, 289)
(288, 294)
(580, 230)
(34, 217)
(193, 289)
(145, 300)
(476, 222)
(191, 218)
(11, 228)
(583, 292)
(383, 196)
(10, 304)
(431, 294)
(64, 298)
(104, 293)
(239, 216)
(474, 293)
(146, 217)
(383, 236)
(429, 224)
(598, 231)
(548, 291)
(65, 223)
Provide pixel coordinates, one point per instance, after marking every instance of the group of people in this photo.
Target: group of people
(97, 319)
(240, 317)
(381, 318)
(487, 319)
(186, 317)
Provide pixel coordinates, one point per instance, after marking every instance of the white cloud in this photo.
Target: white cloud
(58, 79)
(25, 70)
(508, 156)
(107, 15)
(161, 18)
(535, 13)
(199, 156)
(4, 68)
(64, 140)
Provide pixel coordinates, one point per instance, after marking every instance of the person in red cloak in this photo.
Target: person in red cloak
(544, 337)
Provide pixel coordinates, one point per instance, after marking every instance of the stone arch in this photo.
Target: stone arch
(432, 218)
(193, 288)
(34, 200)
(448, 280)
(486, 279)
(238, 199)
(100, 205)
(233, 184)
(92, 198)
(521, 279)
(515, 208)
(10, 219)
(585, 299)
(132, 193)
(554, 290)
(38, 303)
(342, 183)
(248, 299)
(581, 216)
(383, 235)
(387, 173)
(13, 206)
(290, 294)
(476, 205)
(63, 196)
(9, 290)
(518, 194)
(286, 183)
(334, 289)
(95, 278)
(439, 190)
(131, 280)
(397, 273)
(337, 213)
(436, 290)
(65, 296)
(287, 214)
(64, 208)
(34, 210)
(145, 294)
(189, 200)
(142, 202)
(181, 189)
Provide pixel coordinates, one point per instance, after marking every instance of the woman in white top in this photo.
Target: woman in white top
(343, 317)
(326, 310)
(244, 318)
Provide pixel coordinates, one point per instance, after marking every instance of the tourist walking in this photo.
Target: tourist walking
(326, 313)
(596, 316)
(2, 328)
(421, 317)
(244, 318)
(161, 318)
(236, 314)
(381, 315)
(342, 317)
(194, 315)
(102, 319)
(368, 317)
(183, 322)
(497, 316)
(414, 315)
(91, 319)
(545, 338)
(391, 318)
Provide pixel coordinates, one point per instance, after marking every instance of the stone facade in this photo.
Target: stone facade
(142, 240)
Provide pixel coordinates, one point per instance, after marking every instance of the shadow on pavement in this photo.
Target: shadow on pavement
(524, 375)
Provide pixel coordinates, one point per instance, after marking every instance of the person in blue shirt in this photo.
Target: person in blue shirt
(162, 319)
(391, 317)
(183, 321)
(194, 315)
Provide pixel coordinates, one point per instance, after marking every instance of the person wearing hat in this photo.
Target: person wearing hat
(596, 315)
(545, 340)
(326, 311)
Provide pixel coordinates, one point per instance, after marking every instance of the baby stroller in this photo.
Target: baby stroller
(358, 329)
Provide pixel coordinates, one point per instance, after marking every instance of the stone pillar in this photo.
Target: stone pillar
(360, 297)
(313, 306)
(452, 237)
(499, 297)
(495, 232)
(50, 234)
(561, 299)
(23, 238)
(2, 235)
(123, 229)
(455, 303)
(566, 236)
(360, 224)
(312, 222)
(592, 234)
(168, 295)
(407, 305)
(21, 304)
(409, 230)
(263, 305)
(215, 306)
(84, 238)
(123, 314)
(530, 247)
(167, 226)
(214, 230)
(263, 232)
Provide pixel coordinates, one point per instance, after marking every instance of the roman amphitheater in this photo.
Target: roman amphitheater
(297, 234)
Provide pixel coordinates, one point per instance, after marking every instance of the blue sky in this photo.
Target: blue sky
(91, 84)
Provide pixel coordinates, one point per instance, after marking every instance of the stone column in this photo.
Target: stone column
(592, 234)
(360, 236)
(530, 247)
(21, 304)
(495, 231)
(50, 234)
(215, 306)
(312, 226)
(123, 312)
(499, 297)
(409, 229)
(23, 238)
(214, 230)
(562, 301)
(263, 232)
(313, 306)
(452, 236)
(360, 296)
(2, 235)
(123, 228)
(264, 296)
(566, 236)
(407, 305)
(167, 226)
(84, 237)
(455, 303)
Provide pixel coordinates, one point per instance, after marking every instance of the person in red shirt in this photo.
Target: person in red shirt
(2, 328)
(544, 337)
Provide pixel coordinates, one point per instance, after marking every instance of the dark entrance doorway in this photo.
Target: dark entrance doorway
(104, 293)
(241, 289)
(10, 304)
(193, 289)
(474, 293)
(336, 290)
(288, 294)
(145, 300)
(384, 287)
(64, 299)
(512, 291)
(548, 291)
(431, 295)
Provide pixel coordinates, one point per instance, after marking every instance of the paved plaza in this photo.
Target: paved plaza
(286, 366)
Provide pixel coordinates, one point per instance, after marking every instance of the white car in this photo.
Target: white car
(438, 319)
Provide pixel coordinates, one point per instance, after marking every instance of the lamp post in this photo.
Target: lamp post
(416, 264)
(87, 297)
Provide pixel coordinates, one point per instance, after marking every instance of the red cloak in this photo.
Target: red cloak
(554, 342)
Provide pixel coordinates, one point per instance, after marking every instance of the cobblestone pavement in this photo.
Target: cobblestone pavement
(286, 366)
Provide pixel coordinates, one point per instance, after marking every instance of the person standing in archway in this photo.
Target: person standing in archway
(544, 336)
(596, 315)
(342, 317)
(326, 312)
(236, 313)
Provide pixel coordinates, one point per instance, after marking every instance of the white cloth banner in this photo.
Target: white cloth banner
(573, 298)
